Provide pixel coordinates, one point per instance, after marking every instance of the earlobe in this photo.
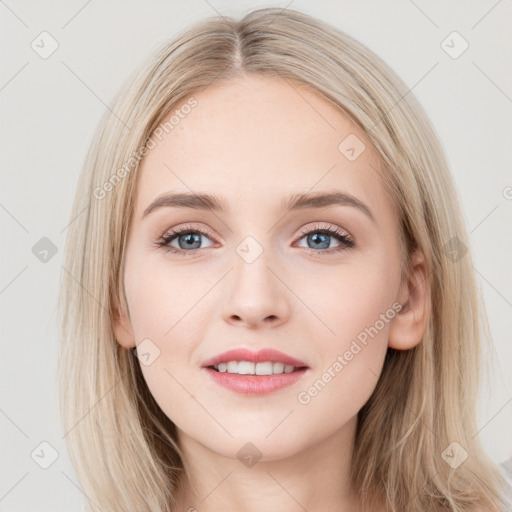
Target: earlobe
(122, 328)
(409, 325)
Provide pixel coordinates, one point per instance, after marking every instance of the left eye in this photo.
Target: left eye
(321, 238)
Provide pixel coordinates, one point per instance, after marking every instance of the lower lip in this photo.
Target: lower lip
(255, 384)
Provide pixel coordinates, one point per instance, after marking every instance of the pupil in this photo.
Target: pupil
(319, 238)
(191, 238)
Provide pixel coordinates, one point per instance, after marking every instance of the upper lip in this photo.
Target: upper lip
(261, 356)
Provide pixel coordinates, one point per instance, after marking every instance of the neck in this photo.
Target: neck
(314, 479)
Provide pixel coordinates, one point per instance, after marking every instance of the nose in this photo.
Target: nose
(257, 295)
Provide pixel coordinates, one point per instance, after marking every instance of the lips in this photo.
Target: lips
(261, 356)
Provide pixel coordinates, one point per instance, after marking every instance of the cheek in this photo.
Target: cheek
(162, 298)
(335, 394)
(350, 299)
(165, 308)
(356, 307)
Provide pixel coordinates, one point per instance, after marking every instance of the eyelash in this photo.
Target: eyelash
(346, 240)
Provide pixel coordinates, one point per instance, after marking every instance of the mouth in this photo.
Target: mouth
(263, 362)
(253, 384)
(255, 373)
(252, 368)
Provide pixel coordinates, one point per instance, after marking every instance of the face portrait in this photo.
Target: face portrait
(296, 249)
(269, 297)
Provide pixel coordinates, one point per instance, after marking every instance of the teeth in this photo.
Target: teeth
(232, 367)
(248, 368)
(278, 367)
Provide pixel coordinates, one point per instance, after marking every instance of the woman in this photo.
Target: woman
(270, 302)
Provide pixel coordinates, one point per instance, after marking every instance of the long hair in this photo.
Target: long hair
(423, 409)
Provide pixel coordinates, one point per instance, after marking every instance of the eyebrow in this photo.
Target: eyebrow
(302, 201)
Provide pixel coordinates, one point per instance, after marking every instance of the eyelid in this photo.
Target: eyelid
(327, 227)
(188, 228)
(346, 240)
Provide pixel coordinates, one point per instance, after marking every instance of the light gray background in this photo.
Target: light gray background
(50, 108)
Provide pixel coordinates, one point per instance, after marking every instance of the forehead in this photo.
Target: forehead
(255, 139)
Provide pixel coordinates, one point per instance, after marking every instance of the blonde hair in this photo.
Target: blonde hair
(122, 445)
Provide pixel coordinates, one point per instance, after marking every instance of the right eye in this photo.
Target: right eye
(187, 238)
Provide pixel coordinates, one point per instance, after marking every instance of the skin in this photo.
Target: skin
(255, 140)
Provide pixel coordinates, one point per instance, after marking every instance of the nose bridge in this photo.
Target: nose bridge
(252, 266)
(256, 294)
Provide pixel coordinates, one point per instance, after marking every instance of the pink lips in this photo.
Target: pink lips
(255, 384)
(266, 354)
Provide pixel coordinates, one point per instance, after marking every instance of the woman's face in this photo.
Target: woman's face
(258, 274)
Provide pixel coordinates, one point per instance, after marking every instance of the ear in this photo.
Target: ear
(408, 326)
(122, 327)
